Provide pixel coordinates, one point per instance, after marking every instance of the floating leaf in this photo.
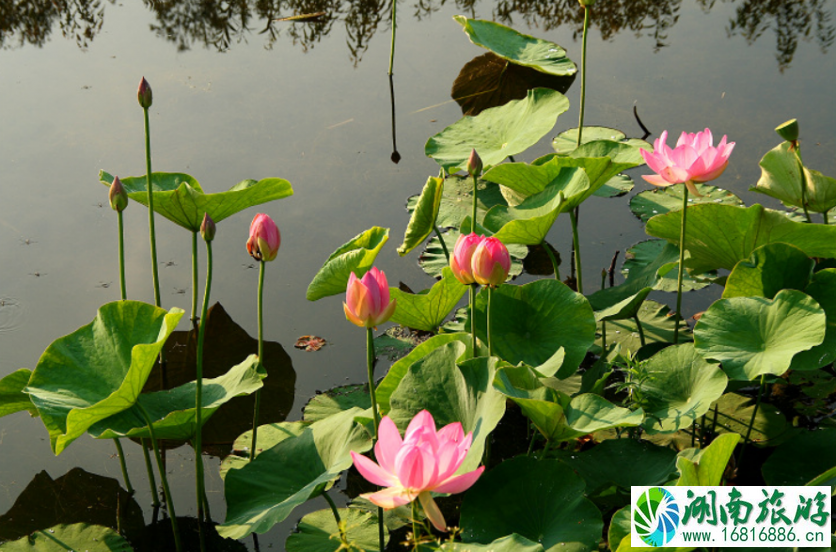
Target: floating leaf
(734, 413)
(781, 179)
(356, 256)
(80, 536)
(531, 322)
(821, 290)
(434, 261)
(657, 324)
(516, 47)
(566, 142)
(565, 519)
(12, 397)
(310, 343)
(721, 235)
(511, 543)
(770, 268)
(658, 201)
(179, 198)
(336, 400)
(751, 336)
(498, 132)
(318, 532)
(269, 435)
(99, 369)
(666, 256)
(424, 214)
(624, 463)
(801, 459)
(426, 311)
(616, 186)
(397, 341)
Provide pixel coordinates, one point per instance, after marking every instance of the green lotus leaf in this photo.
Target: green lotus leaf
(566, 142)
(666, 257)
(173, 412)
(712, 463)
(616, 186)
(656, 321)
(751, 336)
(78, 536)
(542, 500)
(335, 400)
(457, 200)
(770, 268)
(498, 132)
(451, 393)
(12, 396)
(801, 459)
(718, 236)
(658, 201)
(356, 256)
(424, 214)
(734, 413)
(516, 47)
(434, 261)
(318, 532)
(821, 289)
(679, 388)
(98, 370)
(179, 198)
(531, 322)
(624, 463)
(781, 178)
(268, 489)
(426, 311)
(511, 543)
(269, 435)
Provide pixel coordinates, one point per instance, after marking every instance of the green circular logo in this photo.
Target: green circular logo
(656, 516)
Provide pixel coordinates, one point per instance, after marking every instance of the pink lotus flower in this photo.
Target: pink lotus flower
(424, 461)
(695, 159)
(491, 262)
(265, 238)
(462, 256)
(367, 299)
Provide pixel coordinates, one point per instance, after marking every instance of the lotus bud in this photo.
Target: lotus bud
(491, 262)
(462, 256)
(118, 196)
(788, 131)
(143, 94)
(367, 301)
(474, 164)
(265, 239)
(207, 228)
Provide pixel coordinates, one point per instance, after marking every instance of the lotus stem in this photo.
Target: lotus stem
(257, 406)
(797, 150)
(641, 330)
(552, 258)
(161, 468)
(576, 242)
(414, 524)
(198, 438)
(603, 339)
(472, 292)
(752, 421)
(392, 46)
(824, 217)
(681, 265)
(154, 274)
(194, 278)
(473, 210)
(490, 300)
(370, 358)
(122, 286)
(155, 501)
(583, 73)
(441, 240)
(121, 454)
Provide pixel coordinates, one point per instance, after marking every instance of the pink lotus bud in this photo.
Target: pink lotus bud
(462, 256)
(117, 195)
(474, 164)
(265, 238)
(143, 94)
(418, 464)
(491, 262)
(207, 228)
(367, 300)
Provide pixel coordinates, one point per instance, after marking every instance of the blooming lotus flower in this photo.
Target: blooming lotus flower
(694, 159)
(462, 256)
(491, 262)
(424, 461)
(265, 238)
(367, 299)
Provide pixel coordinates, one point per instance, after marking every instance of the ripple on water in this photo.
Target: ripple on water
(11, 314)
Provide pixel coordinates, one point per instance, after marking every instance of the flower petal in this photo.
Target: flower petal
(432, 511)
(657, 180)
(459, 483)
(416, 467)
(391, 497)
(388, 444)
(372, 472)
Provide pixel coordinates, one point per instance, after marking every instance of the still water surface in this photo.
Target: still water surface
(237, 95)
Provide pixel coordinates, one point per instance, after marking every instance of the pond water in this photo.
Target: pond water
(237, 95)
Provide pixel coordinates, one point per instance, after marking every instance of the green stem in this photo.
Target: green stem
(194, 278)
(604, 339)
(583, 75)
(490, 342)
(552, 258)
(392, 46)
(414, 524)
(752, 421)
(641, 330)
(576, 241)
(472, 292)
(161, 468)
(257, 406)
(370, 358)
(154, 274)
(441, 240)
(824, 216)
(803, 182)
(121, 454)
(122, 257)
(681, 272)
(473, 210)
(151, 480)
(334, 511)
(198, 438)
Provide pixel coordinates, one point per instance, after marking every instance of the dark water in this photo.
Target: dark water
(238, 96)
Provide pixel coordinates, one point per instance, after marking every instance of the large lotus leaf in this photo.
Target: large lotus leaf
(511, 543)
(679, 388)
(718, 236)
(318, 532)
(781, 178)
(516, 47)
(266, 490)
(624, 463)
(589, 412)
(821, 289)
(426, 311)
(98, 370)
(424, 214)
(356, 256)
(12, 397)
(335, 400)
(79, 536)
(451, 393)
(708, 472)
(666, 257)
(434, 261)
(801, 459)
(179, 198)
(457, 201)
(751, 336)
(566, 142)
(269, 435)
(541, 500)
(657, 323)
(771, 268)
(173, 412)
(734, 414)
(658, 201)
(498, 132)
(530, 222)
(531, 322)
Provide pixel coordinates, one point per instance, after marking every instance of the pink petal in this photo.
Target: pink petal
(391, 497)
(370, 283)
(351, 317)
(459, 483)
(372, 472)
(432, 512)
(422, 420)
(416, 468)
(387, 313)
(675, 175)
(388, 444)
(451, 432)
(449, 460)
(660, 142)
(657, 180)
(693, 188)
(684, 156)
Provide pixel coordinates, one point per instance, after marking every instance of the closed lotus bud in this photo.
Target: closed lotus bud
(462, 255)
(118, 196)
(491, 262)
(207, 228)
(144, 95)
(474, 164)
(789, 130)
(367, 301)
(265, 238)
